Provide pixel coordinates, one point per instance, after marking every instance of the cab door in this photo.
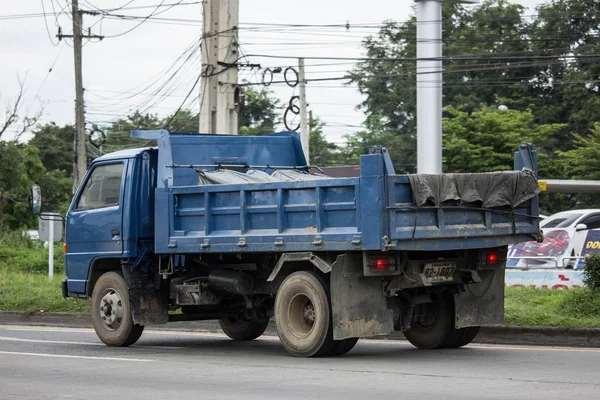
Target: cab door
(94, 221)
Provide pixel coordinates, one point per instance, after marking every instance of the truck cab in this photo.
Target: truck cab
(111, 213)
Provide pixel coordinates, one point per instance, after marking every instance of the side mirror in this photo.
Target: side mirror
(36, 199)
(581, 227)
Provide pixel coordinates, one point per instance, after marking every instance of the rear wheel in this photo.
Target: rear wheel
(467, 335)
(341, 347)
(239, 329)
(111, 312)
(302, 315)
(431, 330)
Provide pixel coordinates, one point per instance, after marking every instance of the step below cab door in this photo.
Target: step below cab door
(94, 222)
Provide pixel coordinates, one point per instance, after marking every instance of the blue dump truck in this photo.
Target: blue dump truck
(240, 229)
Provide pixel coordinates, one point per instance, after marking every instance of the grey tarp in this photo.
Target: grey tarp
(292, 175)
(492, 189)
(227, 176)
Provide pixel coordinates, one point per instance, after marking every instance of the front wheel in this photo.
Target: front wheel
(239, 329)
(111, 312)
(302, 315)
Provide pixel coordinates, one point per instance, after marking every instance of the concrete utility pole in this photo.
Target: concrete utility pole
(304, 130)
(429, 85)
(80, 162)
(220, 56)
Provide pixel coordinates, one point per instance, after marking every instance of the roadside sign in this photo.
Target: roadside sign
(49, 221)
(543, 185)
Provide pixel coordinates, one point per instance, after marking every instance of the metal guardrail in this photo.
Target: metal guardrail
(548, 259)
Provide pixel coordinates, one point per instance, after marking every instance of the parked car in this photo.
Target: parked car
(564, 237)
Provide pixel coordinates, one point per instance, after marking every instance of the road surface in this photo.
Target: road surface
(58, 363)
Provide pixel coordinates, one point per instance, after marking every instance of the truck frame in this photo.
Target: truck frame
(331, 259)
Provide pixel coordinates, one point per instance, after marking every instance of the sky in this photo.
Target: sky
(122, 72)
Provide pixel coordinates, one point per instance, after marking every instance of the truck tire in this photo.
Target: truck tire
(466, 336)
(239, 329)
(303, 316)
(341, 347)
(431, 332)
(111, 312)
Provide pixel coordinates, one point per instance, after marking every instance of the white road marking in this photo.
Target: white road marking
(79, 357)
(11, 339)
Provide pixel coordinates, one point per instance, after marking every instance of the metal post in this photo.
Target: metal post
(220, 55)
(429, 86)
(79, 143)
(51, 250)
(304, 132)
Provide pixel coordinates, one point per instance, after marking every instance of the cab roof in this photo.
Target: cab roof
(128, 153)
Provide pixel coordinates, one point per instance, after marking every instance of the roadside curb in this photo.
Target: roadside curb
(507, 335)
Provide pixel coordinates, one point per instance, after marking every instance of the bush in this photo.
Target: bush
(591, 272)
(18, 253)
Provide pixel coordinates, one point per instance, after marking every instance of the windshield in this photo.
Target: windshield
(561, 221)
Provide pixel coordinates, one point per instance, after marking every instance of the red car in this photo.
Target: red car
(555, 243)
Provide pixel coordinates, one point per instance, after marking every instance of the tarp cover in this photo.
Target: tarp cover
(291, 175)
(492, 189)
(227, 176)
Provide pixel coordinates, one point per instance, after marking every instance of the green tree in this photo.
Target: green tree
(20, 167)
(485, 140)
(473, 39)
(118, 133)
(583, 161)
(258, 115)
(55, 145)
(322, 152)
(182, 121)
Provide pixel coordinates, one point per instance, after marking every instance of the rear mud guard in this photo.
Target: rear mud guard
(481, 303)
(359, 308)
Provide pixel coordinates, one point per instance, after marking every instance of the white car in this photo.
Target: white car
(565, 235)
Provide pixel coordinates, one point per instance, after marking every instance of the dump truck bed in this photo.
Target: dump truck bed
(376, 211)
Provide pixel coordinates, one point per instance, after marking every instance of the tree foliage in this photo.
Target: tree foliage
(55, 145)
(258, 115)
(485, 140)
(494, 55)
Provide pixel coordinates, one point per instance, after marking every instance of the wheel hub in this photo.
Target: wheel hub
(111, 310)
(301, 315)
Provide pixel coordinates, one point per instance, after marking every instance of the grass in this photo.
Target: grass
(545, 307)
(24, 286)
(35, 293)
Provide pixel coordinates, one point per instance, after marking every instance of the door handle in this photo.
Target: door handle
(116, 232)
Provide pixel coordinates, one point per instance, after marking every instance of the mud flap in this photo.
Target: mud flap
(148, 304)
(481, 303)
(358, 306)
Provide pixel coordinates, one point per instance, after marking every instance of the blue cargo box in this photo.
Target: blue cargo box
(376, 211)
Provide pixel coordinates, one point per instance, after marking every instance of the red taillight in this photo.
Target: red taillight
(65, 248)
(381, 264)
(492, 258)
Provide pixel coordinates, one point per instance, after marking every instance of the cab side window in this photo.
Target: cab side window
(592, 222)
(103, 188)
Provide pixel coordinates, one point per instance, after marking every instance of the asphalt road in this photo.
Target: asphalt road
(58, 363)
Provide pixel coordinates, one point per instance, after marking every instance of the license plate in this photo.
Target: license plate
(440, 272)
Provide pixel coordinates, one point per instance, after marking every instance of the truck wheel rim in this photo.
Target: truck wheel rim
(301, 315)
(111, 310)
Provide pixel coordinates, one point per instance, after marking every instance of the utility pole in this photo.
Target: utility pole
(304, 132)
(220, 56)
(80, 162)
(429, 85)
